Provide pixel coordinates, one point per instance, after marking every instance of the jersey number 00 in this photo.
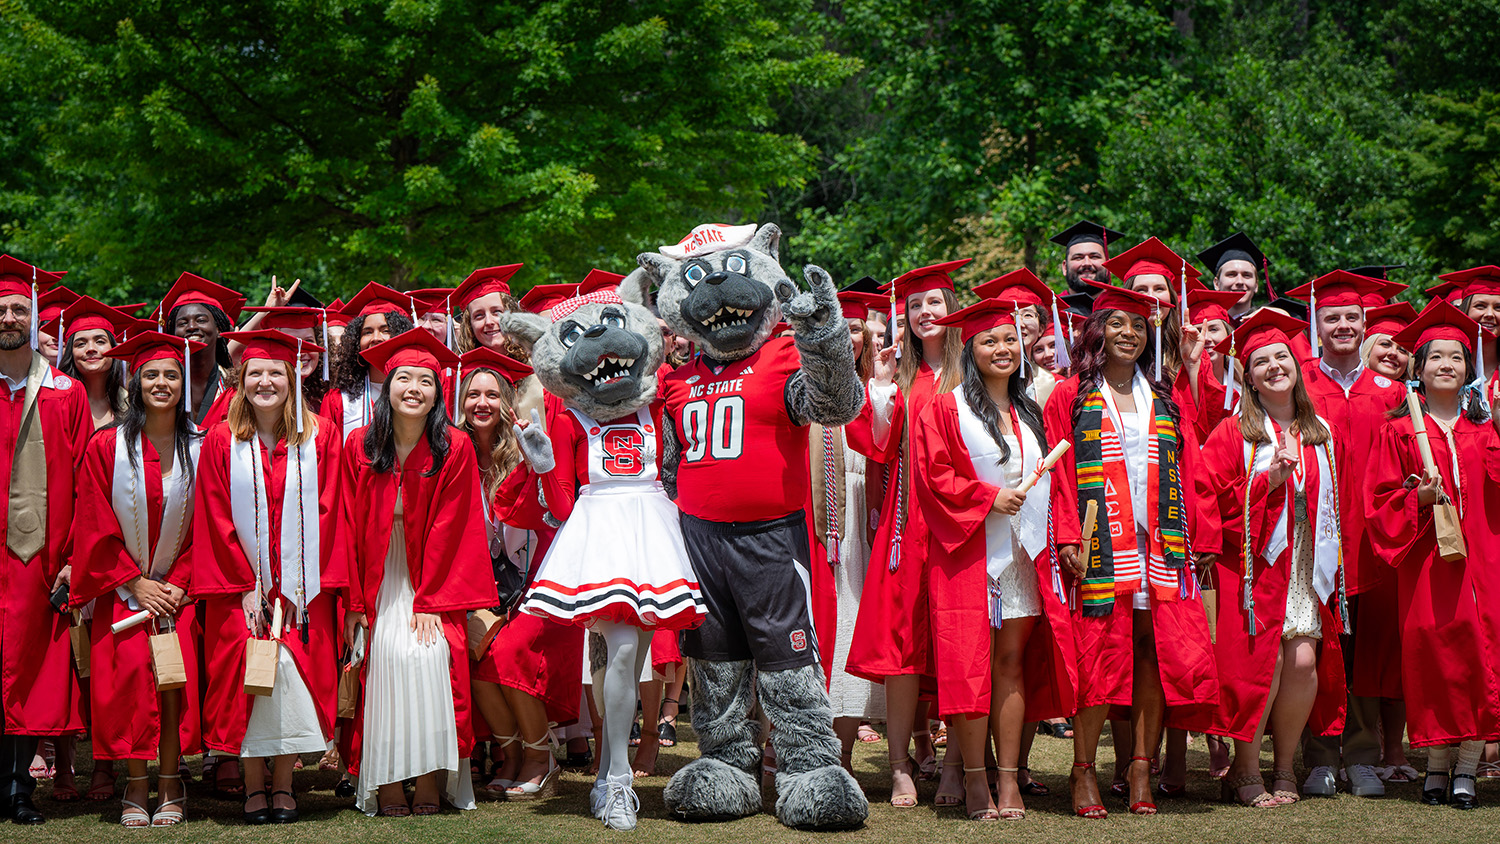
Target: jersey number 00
(717, 431)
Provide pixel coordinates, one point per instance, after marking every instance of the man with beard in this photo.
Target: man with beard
(1354, 400)
(199, 310)
(1085, 248)
(44, 426)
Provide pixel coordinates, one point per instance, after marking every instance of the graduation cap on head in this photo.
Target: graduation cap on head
(1205, 305)
(1263, 328)
(1152, 257)
(147, 346)
(286, 318)
(376, 298)
(857, 305)
(274, 345)
(1461, 284)
(1383, 295)
(432, 300)
(86, 313)
(483, 357)
(190, 289)
(1380, 271)
(1081, 303)
(1238, 247)
(599, 280)
(922, 279)
(301, 298)
(540, 298)
(415, 347)
(1389, 319)
(17, 278)
(1439, 321)
(334, 313)
(1086, 231)
(980, 317)
(864, 284)
(484, 281)
(50, 304)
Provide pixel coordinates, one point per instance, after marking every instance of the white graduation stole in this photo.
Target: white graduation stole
(300, 544)
(1325, 519)
(127, 495)
(357, 409)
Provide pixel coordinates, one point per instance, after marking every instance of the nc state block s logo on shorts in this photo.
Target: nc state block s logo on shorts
(799, 640)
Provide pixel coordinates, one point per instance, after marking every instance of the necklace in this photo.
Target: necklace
(1123, 388)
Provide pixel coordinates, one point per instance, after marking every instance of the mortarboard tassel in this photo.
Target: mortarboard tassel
(895, 338)
(36, 340)
(458, 379)
(1312, 324)
(1229, 379)
(1182, 302)
(1016, 315)
(1062, 360)
(61, 335)
(327, 351)
(297, 381)
(1156, 318)
(1265, 270)
(187, 378)
(448, 320)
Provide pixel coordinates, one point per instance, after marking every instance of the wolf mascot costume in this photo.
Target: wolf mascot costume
(734, 456)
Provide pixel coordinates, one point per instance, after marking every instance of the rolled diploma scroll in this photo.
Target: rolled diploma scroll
(1052, 457)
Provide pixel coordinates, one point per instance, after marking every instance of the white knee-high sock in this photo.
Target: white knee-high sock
(1469, 753)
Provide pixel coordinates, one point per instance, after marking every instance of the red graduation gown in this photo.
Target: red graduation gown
(1248, 663)
(955, 503)
(222, 574)
(1449, 611)
(1105, 645)
(860, 436)
(539, 656)
(122, 688)
(892, 636)
(38, 687)
(446, 552)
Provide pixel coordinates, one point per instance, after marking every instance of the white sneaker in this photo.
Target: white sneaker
(1363, 781)
(596, 798)
(620, 804)
(1320, 782)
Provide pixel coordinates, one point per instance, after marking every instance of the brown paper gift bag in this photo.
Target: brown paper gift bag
(260, 666)
(348, 691)
(482, 627)
(78, 635)
(1450, 534)
(166, 661)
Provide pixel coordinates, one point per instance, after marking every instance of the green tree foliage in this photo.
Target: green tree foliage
(989, 117)
(1292, 136)
(403, 141)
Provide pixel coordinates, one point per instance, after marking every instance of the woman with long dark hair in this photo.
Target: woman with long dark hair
(1006, 658)
(380, 313)
(133, 527)
(264, 536)
(528, 675)
(1270, 472)
(892, 637)
(90, 329)
(1450, 642)
(1123, 533)
(417, 561)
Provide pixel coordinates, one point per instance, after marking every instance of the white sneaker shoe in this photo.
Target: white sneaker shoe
(1364, 781)
(620, 804)
(596, 798)
(1320, 782)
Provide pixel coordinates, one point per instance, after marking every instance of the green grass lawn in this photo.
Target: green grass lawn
(564, 819)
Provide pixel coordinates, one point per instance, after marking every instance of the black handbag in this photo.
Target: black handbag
(510, 582)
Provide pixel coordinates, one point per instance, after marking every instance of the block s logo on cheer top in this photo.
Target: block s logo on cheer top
(624, 451)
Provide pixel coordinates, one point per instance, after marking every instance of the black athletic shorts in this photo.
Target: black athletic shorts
(756, 584)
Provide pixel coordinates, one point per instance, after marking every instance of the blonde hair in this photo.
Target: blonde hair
(911, 358)
(505, 455)
(242, 418)
(1304, 414)
(1369, 345)
(864, 365)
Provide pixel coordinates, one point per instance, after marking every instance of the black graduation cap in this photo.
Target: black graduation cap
(1087, 232)
(865, 284)
(1236, 247)
(1380, 271)
(1294, 307)
(301, 298)
(1082, 303)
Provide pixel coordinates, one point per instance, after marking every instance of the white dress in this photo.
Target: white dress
(409, 722)
(851, 696)
(285, 721)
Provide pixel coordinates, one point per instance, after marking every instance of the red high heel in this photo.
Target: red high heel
(1144, 807)
(1092, 812)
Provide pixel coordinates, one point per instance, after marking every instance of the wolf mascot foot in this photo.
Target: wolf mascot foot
(734, 456)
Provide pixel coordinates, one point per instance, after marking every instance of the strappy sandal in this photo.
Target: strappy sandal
(425, 810)
(867, 734)
(529, 790)
(165, 816)
(988, 813)
(904, 801)
(946, 799)
(228, 787)
(395, 810)
(1229, 792)
(1032, 788)
(1284, 797)
(1399, 774)
(134, 816)
(666, 728)
(99, 787)
(1094, 811)
(499, 783)
(1012, 813)
(1143, 807)
(330, 760)
(926, 768)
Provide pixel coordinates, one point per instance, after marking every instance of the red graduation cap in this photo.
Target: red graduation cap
(980, 317)
(484, 281)
(50, 304)
(271, 344)
(148, 346)
(1389, 319)
(334, 313)
(192, 289)
(1265, 327)
(1205, 304)
(85, 313)
(286, 318)
(432, 300)
(599, 280)
(1383, 296)
(416, 347)
(542, 297)
(17, 276)
(1152, 258)
(857, 305)
(1112, 298)
(1338, 289)
(483, 357)
(923, 279)
(1017, 288)
(1439, 321)
(1475, 280)
(376, 298)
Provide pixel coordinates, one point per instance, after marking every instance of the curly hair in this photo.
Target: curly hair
(350, 368)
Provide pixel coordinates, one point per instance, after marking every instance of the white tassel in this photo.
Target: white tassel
(1182, 302)
(448, 320)
(327, 350)
(1016, 317)
(458, 379)
(1063, 358)
(1312, 326)
(187, 378)
(895, 336)
(1480, 385)
(61, 336)
(1156, 318)
(297, 380)
(1228, 381)
(36, 317)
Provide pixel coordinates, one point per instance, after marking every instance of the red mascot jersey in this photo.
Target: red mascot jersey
(741, 457)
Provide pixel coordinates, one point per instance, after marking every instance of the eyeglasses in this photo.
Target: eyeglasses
(20, 311)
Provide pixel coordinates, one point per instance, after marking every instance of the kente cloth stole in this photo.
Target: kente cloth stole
(1103, 478)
